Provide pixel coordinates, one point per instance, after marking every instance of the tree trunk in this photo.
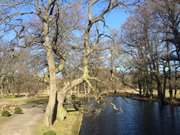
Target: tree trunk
(175, 85)
(52, 103)
(61, 112)
(151, 86)
(159, 89)
(161, 95)
(164, 81)
(85, 56)
(140, 87)
(170, 82)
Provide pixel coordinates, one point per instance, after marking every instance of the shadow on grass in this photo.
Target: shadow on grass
(38, 100)
(70, 126)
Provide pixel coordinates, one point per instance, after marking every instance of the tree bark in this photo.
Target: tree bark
(175, 85)
(164, 80)
(61, 112)
(52, 103)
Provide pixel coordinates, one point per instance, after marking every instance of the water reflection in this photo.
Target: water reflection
(137, 118)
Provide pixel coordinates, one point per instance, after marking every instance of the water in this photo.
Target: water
(137, 118)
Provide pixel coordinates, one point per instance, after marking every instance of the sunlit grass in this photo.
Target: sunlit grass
(24, 100)
(70, 126)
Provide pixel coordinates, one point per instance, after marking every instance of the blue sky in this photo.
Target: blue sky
(116, 18)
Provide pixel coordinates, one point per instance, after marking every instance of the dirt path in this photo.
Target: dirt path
(22, 124)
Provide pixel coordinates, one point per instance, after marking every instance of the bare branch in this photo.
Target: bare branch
(9, 17)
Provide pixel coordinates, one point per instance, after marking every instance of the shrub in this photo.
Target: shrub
(50, 132)
(5, 113)
(73, 97)
(18, 110)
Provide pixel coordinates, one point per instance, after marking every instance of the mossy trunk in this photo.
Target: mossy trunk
(61, 112)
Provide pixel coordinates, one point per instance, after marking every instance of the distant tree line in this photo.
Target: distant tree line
(151, 37)
(19, 72)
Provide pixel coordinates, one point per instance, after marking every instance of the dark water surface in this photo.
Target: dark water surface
(137, 118)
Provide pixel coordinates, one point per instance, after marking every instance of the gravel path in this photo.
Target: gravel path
(22, 124)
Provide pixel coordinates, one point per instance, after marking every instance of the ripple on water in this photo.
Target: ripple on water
(137, 118)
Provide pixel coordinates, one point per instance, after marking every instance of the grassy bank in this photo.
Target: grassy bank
(23, 100)
(70, 126)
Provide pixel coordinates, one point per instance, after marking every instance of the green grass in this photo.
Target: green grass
(5, 113)
(50, 132)
(69, 126)
(37, 100)
(18, 110)
(25, 100)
